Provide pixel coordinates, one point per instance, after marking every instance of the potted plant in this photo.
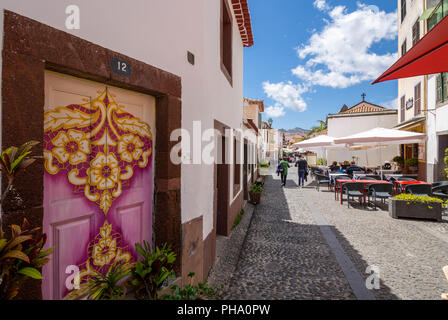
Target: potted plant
(255, 192)
(415, 207)
(399, 161)
(412, 164)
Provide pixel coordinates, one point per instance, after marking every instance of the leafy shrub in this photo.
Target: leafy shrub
(446, 163)
(106, 287)
(256, 188)
(21, 257)
(321, 162)
(149, 274)
(399, 160)
(191, 292)
(238, 219)
(412, 162)
(410, 198)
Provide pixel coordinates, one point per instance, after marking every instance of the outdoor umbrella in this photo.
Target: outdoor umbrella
(381, 137)
(321, 142)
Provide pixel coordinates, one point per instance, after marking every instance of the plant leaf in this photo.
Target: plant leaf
(17, 241)
(31, 272)
(15, 254)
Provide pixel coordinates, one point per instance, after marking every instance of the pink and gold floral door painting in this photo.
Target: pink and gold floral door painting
(98, 184)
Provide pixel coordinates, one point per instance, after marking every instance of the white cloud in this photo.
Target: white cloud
(392, 104)
(340, 55)
(286, 95)
(321, 5)
(275, 112)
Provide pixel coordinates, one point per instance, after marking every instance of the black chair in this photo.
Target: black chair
(406, 179)
(419, 189)
(354, 169)
(322, 179)
(440, 184)
(440, 192)
(335, 183)
(353, 190)
(372, 177)
(380, 191)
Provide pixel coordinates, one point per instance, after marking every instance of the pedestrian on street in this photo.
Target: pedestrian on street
(302, 166)
(283, 169)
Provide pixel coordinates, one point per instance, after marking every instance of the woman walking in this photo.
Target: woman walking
(283, 169)
(302, 166)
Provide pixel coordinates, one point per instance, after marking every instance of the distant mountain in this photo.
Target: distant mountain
(300, 131)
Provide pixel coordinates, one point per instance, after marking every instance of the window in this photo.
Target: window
(442, 88)
(226, 40)
(236, 162)
(440, 11)
(418, 99)
(415, 33)
(403, 48)
(403, 10)
(402, 108)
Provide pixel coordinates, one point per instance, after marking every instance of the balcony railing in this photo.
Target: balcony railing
(440, 11)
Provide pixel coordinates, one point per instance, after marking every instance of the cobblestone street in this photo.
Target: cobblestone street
(302, 244)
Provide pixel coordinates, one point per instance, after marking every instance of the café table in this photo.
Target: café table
(403, 184)
(396, 176)
(365, 182)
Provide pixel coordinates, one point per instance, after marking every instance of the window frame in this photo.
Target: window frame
(403, 108)
(226, 41)
(416, 39)
(442, 81)
(418, 99)
(405, 45)
(403, 10)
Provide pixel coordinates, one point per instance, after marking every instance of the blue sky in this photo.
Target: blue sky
(313, 56)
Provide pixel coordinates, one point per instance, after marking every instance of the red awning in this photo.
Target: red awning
(428, 56)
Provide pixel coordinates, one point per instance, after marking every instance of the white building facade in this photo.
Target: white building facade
(184, 59)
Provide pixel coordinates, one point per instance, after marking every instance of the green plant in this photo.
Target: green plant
(321, 162)
(238, 219)
(399, 160)
(12, 161)
(410, 198)
(192, 292)
(106, 287)
(149, 274)
(412, 162)
(21, 257)
(256, 188)
(445, 159)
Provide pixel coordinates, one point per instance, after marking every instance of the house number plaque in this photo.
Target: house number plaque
(121, 67)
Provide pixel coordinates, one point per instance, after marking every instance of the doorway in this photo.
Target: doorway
(222, 187)
(98, 181)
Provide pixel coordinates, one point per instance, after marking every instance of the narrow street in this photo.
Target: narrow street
(302, 244)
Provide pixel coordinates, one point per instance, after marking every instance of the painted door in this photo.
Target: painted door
(98, 184)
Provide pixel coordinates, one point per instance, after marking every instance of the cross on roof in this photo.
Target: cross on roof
(363, 97)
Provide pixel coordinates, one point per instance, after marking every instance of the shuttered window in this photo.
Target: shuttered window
(403, 10)
(442, 87)
(403, 48)
(402, 108)
(416, 33)
(418, 99)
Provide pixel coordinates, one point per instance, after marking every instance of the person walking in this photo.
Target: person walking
(302, 166)
(283, 169)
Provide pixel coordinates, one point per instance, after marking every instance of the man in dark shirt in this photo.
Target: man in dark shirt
(302, 166)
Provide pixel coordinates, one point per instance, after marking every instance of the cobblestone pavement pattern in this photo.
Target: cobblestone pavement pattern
(285, 255)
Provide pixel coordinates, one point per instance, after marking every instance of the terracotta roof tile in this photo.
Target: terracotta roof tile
(364, 107)
(242, 14)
